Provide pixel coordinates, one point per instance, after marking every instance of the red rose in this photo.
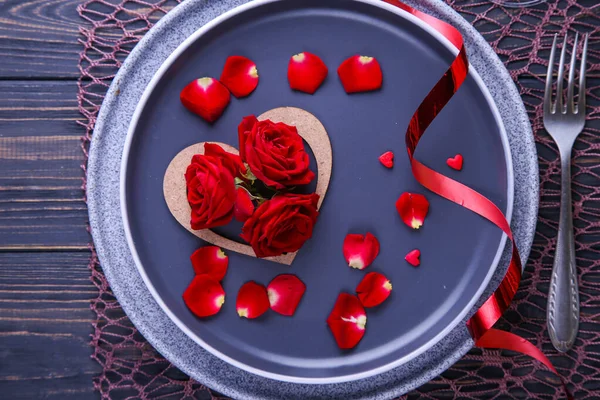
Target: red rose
(210, 186)
(274, 152)
(282, 224)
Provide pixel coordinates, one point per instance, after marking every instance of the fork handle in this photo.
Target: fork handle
(563, 297)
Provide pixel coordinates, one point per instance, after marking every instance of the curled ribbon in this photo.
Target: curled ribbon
(481, 324)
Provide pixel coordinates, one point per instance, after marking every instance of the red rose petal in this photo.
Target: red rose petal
(285, 292)
(239, 75)
(455, 162)
(387, 159)
(306, 72)
(413, 209)
(413, 257)
(347, 321)
(360, 74)
(204, 296)
(373, 289)
(252, 300)
(211, 261)
(360, 250)
(206, 97)
(243, 207)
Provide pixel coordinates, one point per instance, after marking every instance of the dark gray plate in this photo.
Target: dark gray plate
(460, 251)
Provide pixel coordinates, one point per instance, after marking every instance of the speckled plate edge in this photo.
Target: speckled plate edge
(154, 324)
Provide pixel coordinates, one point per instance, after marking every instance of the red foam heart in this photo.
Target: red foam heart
(455, 162)
(413, 257)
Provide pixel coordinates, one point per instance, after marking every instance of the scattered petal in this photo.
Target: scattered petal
(413, 257)
(252, 300)
(285, 292)
(373, 289)
(347, 321)
(240, 76)
(211, 261)
(306, 72)
(387, 159)
(455, 162)
(360, 74)
(412, 208)
(360, 250)
(206, 97)
(204, 296)
(243, 207)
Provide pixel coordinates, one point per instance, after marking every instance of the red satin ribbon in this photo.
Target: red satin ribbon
(481, 323)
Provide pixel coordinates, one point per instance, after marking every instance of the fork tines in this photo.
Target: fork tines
(558, 106)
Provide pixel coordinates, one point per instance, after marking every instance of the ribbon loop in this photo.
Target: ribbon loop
(481, 323)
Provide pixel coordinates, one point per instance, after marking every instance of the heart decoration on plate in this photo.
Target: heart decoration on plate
(174, 185)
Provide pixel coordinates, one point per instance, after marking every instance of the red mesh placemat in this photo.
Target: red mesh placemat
(521, 37)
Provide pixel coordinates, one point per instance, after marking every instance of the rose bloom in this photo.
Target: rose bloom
(210, 186)
(274, 152)
(282, 224)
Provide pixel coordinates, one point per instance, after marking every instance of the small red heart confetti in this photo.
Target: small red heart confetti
(413, 258)
(373, 289)
(387, 159)
(243, 207)
(455, 162)
(285, 292)
(360, 74)
(204, 296)
(306, 72)
(205, 97)
(347, 321)
(412, 208)
(239, 75)
(211, 261)
(252, 300)
(360, 250)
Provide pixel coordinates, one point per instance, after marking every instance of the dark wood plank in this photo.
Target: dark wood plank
(45, 326)
(41, 198)
(39, 38)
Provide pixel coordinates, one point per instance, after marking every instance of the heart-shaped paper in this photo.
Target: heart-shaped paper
(174, 187)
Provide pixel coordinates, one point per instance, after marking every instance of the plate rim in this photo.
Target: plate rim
(133, 125)
(138, 303)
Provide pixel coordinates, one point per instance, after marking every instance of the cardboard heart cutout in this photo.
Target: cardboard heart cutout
(174, 187)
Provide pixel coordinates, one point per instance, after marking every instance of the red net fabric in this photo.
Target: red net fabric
(521, 37)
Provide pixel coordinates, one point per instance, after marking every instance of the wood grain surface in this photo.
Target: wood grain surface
(45, 288)
(38, 39)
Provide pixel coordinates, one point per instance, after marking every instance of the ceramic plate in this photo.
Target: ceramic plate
(423, 320)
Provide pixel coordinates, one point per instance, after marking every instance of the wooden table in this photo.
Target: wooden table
(45, 288)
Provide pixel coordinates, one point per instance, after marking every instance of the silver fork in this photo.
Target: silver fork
(564, 122)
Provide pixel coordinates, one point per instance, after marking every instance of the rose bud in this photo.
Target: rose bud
(239, 75)
(413, 209)
(360, 74)
(373, 289)
(360, 250)
(252, 300)
(243, 207)
(285, 292)
(306, 72)
(211, 261)
(282, 224)
(205, 97)
(347, 321)
(274, 152)
(204, 296)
